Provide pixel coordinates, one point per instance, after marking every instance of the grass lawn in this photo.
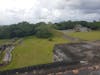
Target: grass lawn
(33, 51)
(91, 36)
(2, 41)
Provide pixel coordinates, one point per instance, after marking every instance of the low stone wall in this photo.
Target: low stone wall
(43, 69)
(57, 68)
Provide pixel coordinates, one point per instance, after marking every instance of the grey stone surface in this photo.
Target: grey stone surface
(80, 28)
(77, 51)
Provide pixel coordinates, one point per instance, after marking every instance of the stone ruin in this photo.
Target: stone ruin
(83, 52)
(80, 28)
(69, 59)
(7, 49)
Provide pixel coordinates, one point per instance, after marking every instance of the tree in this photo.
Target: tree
(44, 31)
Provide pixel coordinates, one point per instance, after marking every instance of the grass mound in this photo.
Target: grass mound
(33, 51)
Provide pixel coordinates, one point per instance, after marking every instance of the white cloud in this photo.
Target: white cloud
(13, 11)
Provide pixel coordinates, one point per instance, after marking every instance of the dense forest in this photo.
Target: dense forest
(41, 30)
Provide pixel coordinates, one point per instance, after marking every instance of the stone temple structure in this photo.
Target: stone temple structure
(80, 28)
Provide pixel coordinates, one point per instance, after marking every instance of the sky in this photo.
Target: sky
(33, 11)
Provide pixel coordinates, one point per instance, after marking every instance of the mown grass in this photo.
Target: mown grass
(33, 51)
(90, 36)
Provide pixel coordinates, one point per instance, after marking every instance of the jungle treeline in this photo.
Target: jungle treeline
(41, 29)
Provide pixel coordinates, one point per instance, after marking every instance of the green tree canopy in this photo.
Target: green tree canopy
(44, 31)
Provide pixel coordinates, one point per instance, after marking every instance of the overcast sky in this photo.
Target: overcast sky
(13, 11)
